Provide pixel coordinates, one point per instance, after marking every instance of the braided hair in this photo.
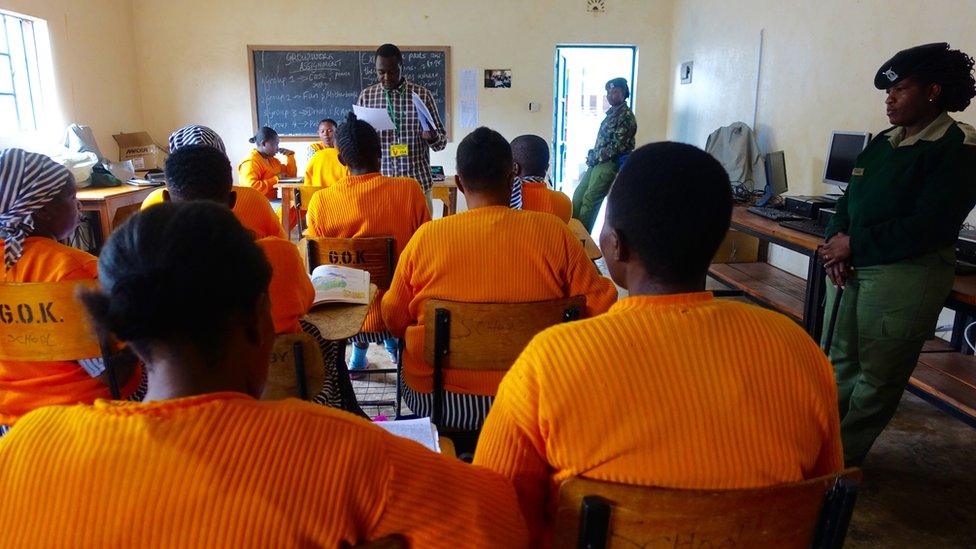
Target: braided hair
(953, 70)
(178, 272)
(358, 142)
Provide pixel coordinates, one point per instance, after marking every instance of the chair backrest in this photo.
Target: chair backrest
(374, 254)
(303, 195)
(812, 513)
(45, 321)
(297, 369)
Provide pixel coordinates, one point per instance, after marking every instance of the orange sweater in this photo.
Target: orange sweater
(28, 385)
(251, 208)
(291, 288)
(491, 254)
(370, 205)
(539, 198)
(324, 168)
(680, 391)
(225, 470)
(262, 173)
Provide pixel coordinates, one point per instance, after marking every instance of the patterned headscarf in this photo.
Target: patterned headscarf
(28, 181)
(195, 135)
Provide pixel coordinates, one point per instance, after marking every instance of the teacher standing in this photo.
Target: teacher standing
(406, 148)
(891, 243)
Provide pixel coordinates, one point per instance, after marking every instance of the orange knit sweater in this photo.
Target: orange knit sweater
(539, 198)
(485, 255)
(224, 470)
(28, 385)
(251, 208)
(290, 290)
(681, 391)
(369, 205)
(262, 173)
(324, 169)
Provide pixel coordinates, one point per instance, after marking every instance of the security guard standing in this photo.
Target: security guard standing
(891, 243)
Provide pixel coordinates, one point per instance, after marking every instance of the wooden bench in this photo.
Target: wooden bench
(947, 380)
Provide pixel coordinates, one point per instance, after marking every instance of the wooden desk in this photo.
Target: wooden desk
(592, 250)
(113, 204)
(286, 189)
(446, 192)
(339, 321)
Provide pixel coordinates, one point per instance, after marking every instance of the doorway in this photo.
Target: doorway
(581, 102)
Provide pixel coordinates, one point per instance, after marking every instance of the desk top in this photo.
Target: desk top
(447, 183)
(101, 193)
(340, 320)
(747, 222)
(592, 250)
(964, 289)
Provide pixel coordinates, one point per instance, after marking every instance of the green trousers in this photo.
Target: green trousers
(592, 189)
(885, 315)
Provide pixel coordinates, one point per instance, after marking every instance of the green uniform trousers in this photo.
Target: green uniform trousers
(592, 189)
(885, 315)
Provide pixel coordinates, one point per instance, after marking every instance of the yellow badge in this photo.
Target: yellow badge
(858, 171)
(397, 151)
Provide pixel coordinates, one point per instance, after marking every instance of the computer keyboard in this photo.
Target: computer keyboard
(775, 214)
(809, 226)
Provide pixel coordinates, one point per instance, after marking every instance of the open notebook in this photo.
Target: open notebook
(335, 284)
(418, 430)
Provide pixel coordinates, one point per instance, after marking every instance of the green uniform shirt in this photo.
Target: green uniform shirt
(909, 197)
(616, 136)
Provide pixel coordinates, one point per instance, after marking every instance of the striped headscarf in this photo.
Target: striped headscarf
(195, 135)
(28, 181)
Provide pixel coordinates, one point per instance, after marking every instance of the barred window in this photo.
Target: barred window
(20, 80)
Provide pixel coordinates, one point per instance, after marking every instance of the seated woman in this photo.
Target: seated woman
(324, 168)
(251, 207)
(261, 170)
(214, 462)
(366, 204)
(38, 207)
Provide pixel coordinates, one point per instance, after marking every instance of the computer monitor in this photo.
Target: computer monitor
(775, 177)
(841, 156)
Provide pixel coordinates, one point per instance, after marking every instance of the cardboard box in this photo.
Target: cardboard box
(737, 248)
(140, 148)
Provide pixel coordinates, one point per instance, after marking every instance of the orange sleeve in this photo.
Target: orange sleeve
(512, 444)
(562, 206)
(291, 168)
(155, 197)
(310, 170)
(291, 290)
(253, 176)
(269, 220)
(830, 459)
(396, 300)
(584, 279)
(316, 215)
(420, 210)
(411, 508)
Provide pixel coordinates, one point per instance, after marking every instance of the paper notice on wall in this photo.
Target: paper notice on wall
(468, 101)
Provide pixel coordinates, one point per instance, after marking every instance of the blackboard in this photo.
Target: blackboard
(293, 87)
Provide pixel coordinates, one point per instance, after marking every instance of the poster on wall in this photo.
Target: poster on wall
(498, 78)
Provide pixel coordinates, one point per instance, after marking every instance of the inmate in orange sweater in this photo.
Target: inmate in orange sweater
(251, 208)
(225, 470)
(485, 255)
(262, 174)
(370, 205)
(291, 289)
(28, 385)
(537, 197)
(324, 168)
(681, 391)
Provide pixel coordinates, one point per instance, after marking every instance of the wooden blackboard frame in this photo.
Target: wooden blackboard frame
(446, 117)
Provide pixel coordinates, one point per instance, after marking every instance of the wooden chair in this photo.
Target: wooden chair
(303, 197)
(485, 336)
(45, 321)
(297, 368)
(812, 513)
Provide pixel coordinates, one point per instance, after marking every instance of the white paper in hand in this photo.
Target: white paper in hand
(378, 118)
(423, 114)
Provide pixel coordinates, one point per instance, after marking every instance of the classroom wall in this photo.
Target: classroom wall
(818, 66)
(93, 54)
(192, 58)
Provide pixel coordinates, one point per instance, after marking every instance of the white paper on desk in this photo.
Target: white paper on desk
(418, 430)
(378, 118)
(426, 120)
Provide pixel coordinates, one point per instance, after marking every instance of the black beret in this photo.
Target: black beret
(905, 63)
(617, 83)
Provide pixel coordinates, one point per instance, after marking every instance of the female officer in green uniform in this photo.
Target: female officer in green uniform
(891, 243)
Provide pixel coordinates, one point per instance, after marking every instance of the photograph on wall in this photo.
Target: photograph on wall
(498, 78)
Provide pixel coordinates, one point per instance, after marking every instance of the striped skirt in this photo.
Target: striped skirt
(461, 411)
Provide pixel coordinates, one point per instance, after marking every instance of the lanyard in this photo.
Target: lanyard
(392, 112)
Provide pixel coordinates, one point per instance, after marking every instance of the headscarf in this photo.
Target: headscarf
(28, 181)
(195, 135)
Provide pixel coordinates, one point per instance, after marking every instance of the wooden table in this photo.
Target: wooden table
(113, 204)
(287, 188)
(339, 321)
(592, 250)
(446, 192)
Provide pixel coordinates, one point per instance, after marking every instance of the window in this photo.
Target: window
(20, 92)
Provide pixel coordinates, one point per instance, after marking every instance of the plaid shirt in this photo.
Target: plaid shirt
(416, 163)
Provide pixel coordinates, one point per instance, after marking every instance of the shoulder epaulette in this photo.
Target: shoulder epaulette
(968, 133)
